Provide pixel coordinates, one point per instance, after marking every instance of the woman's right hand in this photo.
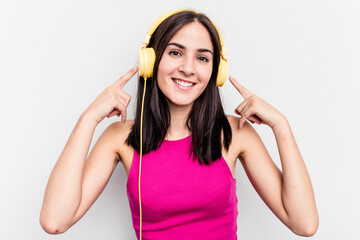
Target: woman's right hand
(112, 101)
(78, 177)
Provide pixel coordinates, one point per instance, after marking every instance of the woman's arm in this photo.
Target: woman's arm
(76, 182)
(289, 193)
(297, 193)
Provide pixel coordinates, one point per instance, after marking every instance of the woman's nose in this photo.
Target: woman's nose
(187, 66)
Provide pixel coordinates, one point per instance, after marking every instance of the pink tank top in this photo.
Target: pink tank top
(180, 198)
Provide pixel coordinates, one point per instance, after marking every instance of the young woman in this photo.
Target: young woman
(190, 147)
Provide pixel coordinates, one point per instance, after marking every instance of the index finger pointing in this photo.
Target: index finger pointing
(126, 77)
(242, 90)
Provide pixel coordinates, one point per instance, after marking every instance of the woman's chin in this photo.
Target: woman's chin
(179, 102)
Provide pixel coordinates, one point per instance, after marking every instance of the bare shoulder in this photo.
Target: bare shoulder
(119, 132)
(120, 129)
(242, 139)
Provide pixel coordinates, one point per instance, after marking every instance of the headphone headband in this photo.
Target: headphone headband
(156, 24)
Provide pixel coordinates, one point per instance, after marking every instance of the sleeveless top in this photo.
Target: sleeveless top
(180, 198)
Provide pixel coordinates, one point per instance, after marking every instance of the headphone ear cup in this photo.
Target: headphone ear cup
(146, 58)
(222, 73)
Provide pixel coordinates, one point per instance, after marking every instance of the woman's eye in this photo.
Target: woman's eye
(204, 59)
(174, 52)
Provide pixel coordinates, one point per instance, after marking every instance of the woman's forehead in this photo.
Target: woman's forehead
(193, 36)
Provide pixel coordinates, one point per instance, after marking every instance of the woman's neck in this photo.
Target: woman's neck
(178, 117)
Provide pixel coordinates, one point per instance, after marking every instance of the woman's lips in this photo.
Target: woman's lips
(183, 84)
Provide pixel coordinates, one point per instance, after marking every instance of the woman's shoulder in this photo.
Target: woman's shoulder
(240, 136)
(123, 127)
(234, 124)
(119, 132)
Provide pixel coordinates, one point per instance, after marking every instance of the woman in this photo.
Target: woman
(189, 148)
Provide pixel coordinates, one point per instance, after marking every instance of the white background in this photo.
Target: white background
(56, 57)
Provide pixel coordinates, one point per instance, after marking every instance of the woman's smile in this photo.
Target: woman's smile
(183, 84)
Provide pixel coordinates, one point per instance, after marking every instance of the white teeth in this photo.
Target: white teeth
(184, 84)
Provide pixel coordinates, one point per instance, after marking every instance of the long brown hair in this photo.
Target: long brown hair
(206, 121)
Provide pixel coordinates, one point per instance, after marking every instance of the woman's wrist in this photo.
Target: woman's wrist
(281, 124)
(87, 119)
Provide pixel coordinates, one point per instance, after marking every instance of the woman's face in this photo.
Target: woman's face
(186, 65)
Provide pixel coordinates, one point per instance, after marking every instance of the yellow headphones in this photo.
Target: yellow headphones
(146, 65)
(146, 56)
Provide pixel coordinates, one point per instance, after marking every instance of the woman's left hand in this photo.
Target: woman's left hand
(255, 109)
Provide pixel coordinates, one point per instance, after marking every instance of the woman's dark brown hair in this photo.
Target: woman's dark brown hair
(206, 120)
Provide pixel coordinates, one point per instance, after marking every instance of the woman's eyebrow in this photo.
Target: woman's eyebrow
(177, 44)
(183, 47)
(205, 50)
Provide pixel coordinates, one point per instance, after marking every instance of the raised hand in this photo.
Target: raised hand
(255, 109)
(112, 101)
